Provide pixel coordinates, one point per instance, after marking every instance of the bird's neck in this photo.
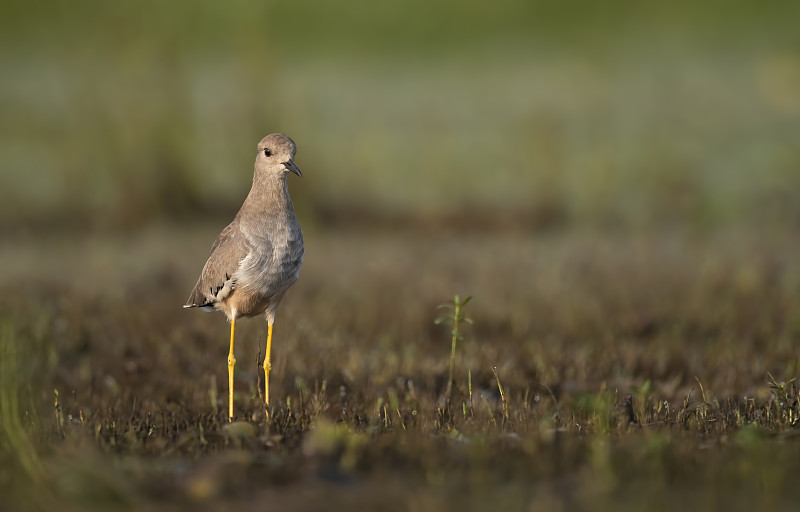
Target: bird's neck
(269, 193)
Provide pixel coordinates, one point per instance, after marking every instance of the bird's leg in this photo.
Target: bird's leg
(231, 362)
(267, 365)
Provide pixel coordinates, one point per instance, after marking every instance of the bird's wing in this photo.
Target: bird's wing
(216, 280)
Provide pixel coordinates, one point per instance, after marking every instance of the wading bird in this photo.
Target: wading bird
(257, 257)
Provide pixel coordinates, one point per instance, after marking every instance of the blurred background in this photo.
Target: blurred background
(617, 184)
(528, 114)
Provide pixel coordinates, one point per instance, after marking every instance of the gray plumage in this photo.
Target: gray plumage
(257, 257)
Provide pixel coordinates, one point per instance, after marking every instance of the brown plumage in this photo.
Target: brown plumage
(257, 257)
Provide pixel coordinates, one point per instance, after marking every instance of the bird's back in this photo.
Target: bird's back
(215, 283)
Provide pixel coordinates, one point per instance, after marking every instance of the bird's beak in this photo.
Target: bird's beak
(291, 167)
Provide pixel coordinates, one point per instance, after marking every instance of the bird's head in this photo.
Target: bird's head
(276, 155)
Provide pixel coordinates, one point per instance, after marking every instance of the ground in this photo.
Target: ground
(635, 367)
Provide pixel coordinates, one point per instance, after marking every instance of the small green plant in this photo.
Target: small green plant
(456, 318)
(502, 395)
(469, 389)
(783, 400)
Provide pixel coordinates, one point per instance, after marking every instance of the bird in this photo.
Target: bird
(257, 257)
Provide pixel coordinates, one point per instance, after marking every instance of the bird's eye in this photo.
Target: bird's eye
(267, 152)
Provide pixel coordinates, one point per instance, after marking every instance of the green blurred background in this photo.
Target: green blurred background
(532, 113)
(617, 183)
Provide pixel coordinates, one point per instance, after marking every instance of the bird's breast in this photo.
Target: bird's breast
(274, 261)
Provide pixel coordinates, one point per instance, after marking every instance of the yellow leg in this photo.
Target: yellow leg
(267, 365)
(231, 362)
